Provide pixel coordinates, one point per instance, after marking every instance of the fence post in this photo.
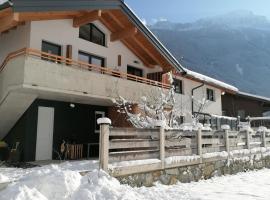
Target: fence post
(248, 139)
(263, 139)
(199, 143)
(162, 146)
(227, 142)
(104, 143)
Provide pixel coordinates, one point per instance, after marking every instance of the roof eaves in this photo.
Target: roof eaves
(154, 40)
(253, 96)
(5, 5)
(63, 5)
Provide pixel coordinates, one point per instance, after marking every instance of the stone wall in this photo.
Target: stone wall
(198, 172)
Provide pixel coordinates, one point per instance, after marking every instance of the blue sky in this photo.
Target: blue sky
(191, 10)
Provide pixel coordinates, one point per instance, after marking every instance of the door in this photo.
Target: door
(45, 125)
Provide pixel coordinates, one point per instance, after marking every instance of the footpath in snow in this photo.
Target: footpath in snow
(63, 182)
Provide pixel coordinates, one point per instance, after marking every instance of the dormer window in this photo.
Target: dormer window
(91, 33)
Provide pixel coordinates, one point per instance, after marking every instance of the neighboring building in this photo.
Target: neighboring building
(62, 65)
(244, 104)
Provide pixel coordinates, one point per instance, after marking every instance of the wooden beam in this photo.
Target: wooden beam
(52, 15)
(5, 12)
(138, 54)
(86, 18)
(129, 32)
(9, 22)
(149, 52)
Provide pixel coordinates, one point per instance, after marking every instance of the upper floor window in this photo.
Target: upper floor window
(178, 86)
(91, 59)
(91, 33)
(210, 94)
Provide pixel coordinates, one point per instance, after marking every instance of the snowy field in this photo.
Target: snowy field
(63, 181)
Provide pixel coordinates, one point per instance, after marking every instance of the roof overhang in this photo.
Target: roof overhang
(117, 17)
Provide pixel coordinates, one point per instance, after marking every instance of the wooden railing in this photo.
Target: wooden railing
(173, 148)
(81, 65)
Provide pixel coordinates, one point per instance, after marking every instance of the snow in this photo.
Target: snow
(3, 1)
(55, 182)
(104, 120)
(210, 80)
(224, 117)
(225, 127)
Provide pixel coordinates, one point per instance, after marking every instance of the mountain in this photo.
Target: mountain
(234, 48)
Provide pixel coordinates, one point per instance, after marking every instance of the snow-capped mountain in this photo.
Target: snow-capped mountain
(234, 48)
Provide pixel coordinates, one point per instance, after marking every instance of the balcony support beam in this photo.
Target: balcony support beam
(87, 18)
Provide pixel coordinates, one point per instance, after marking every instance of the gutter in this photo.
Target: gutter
(192, 100)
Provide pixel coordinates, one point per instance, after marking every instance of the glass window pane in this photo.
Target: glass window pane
(84, 32)
(51, 48)
(97, 36)
(97, 61)
(83, 57)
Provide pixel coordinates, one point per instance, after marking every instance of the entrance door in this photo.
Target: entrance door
(44, 142)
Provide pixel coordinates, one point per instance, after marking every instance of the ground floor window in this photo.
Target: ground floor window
(50, 48)
(134, 71)
(91, 59)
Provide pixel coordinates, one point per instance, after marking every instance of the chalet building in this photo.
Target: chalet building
(62, 62)
(244, 104)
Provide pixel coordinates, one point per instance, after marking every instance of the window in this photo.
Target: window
(134, 71)
(98, 114)
(210, 94)
(91, 59)
(178, 86)
(51, 49)
(91, 33)
(179, 120)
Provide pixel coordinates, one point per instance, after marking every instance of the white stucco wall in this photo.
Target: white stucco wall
(184, 100)
(62, 32)
(14, 40)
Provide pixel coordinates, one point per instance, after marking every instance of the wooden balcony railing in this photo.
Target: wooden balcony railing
(81, 65)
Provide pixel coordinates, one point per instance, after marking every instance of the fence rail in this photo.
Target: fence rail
(81, 65)
(172, 148)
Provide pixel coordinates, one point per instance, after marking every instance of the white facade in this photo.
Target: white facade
(62, 32)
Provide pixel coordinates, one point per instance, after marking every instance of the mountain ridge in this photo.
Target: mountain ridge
(234, 48)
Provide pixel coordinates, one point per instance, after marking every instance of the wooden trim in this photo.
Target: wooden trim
(9, 22)
(119, 60)
(83, 65)
(5, 12)
(125, 33)
(138, 54)
(87, 18)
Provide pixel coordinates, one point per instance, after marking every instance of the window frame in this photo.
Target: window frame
(181, 86)
(91, 27)
(90, 56)
(134, 68)
(46, 57)
(208, 94)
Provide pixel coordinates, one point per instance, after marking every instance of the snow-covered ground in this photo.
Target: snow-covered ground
(63, 181)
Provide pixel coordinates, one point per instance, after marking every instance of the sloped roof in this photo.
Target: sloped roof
(166, 59)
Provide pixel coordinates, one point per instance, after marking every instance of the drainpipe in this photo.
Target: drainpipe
(192, 92)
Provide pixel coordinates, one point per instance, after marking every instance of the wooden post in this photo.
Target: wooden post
(248, 139)
(227, 141)
(199, 143)
(104, 143)
(263, 139)
(162, 146)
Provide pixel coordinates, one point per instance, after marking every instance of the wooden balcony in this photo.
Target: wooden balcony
(80, 65)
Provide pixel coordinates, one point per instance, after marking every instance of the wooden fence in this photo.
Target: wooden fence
(172, 148)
